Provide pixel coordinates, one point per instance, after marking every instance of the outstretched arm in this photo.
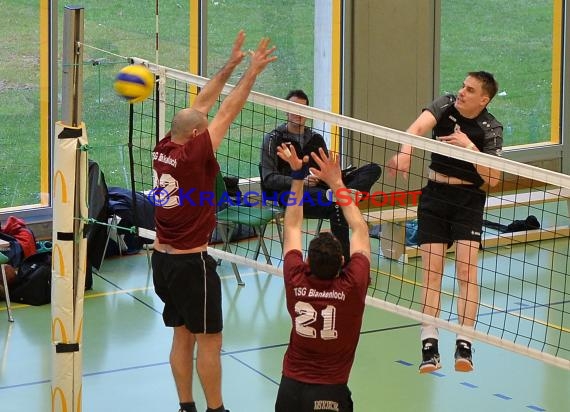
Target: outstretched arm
(211, 91)
(232, 104)
(294, 211)
(329, 172)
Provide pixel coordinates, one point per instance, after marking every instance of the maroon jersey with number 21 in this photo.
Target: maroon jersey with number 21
(326, 319)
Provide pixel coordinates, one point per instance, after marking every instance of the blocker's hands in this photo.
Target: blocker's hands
(329, 168)
(262, 56)
(289, 154)
(237, 53)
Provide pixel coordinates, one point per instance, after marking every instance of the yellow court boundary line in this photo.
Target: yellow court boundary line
(127, 291)
(88, 296)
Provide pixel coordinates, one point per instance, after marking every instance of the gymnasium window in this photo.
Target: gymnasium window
(520, 42)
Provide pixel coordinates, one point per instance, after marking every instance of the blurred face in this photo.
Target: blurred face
(471, 99)
(295, 121)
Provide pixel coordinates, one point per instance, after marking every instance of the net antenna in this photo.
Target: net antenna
(523, 273)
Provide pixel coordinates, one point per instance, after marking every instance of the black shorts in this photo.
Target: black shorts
(308, 397)
(191, 291)
(447, 213)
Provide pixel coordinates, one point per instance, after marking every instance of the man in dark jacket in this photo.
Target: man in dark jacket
(276, 173)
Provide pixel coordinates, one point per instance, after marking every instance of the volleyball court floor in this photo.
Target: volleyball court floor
(126, 349)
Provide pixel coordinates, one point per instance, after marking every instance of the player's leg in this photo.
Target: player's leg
(165, 274)
(433, 258)
(339, 228)
(468, 224)
(363, 178)
(434, 236)
(466, 272)
(182, 362)
(209, 367)
(209, 340)
(467, 232)
(468, 301)
(195, 289)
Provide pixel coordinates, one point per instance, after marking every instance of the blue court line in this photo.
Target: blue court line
(502, 396)
(255, 370)
(522, 305)
(473, 386)
(21, 385)
(235, 352)
(519, 309)
(391, 328)
(131, 295)
(128, 368)
(535, 305)
(536, 408)
(402, 362)
(434, 373)
(85, 375)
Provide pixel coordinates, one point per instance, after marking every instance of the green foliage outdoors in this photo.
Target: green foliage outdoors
(511, 39)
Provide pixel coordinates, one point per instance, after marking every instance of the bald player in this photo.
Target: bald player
(184, 275)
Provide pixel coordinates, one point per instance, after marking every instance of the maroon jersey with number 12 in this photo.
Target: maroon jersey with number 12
(184, 178)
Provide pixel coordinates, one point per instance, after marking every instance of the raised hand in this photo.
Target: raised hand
(329, 168)
(262, 56)
(289, 154)
(237, 53)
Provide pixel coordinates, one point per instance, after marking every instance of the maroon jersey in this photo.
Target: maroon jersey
(184, 177)
(326, 319)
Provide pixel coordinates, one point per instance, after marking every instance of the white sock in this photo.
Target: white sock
(465, 338)
(429, 332)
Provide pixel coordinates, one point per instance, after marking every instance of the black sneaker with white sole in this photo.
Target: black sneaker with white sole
(463, 356)
(430, 356)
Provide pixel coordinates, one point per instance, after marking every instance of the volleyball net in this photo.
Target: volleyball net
(523, 263)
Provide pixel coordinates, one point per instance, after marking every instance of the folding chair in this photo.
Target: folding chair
(257, 217)
(112, 234)
(3, 260)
